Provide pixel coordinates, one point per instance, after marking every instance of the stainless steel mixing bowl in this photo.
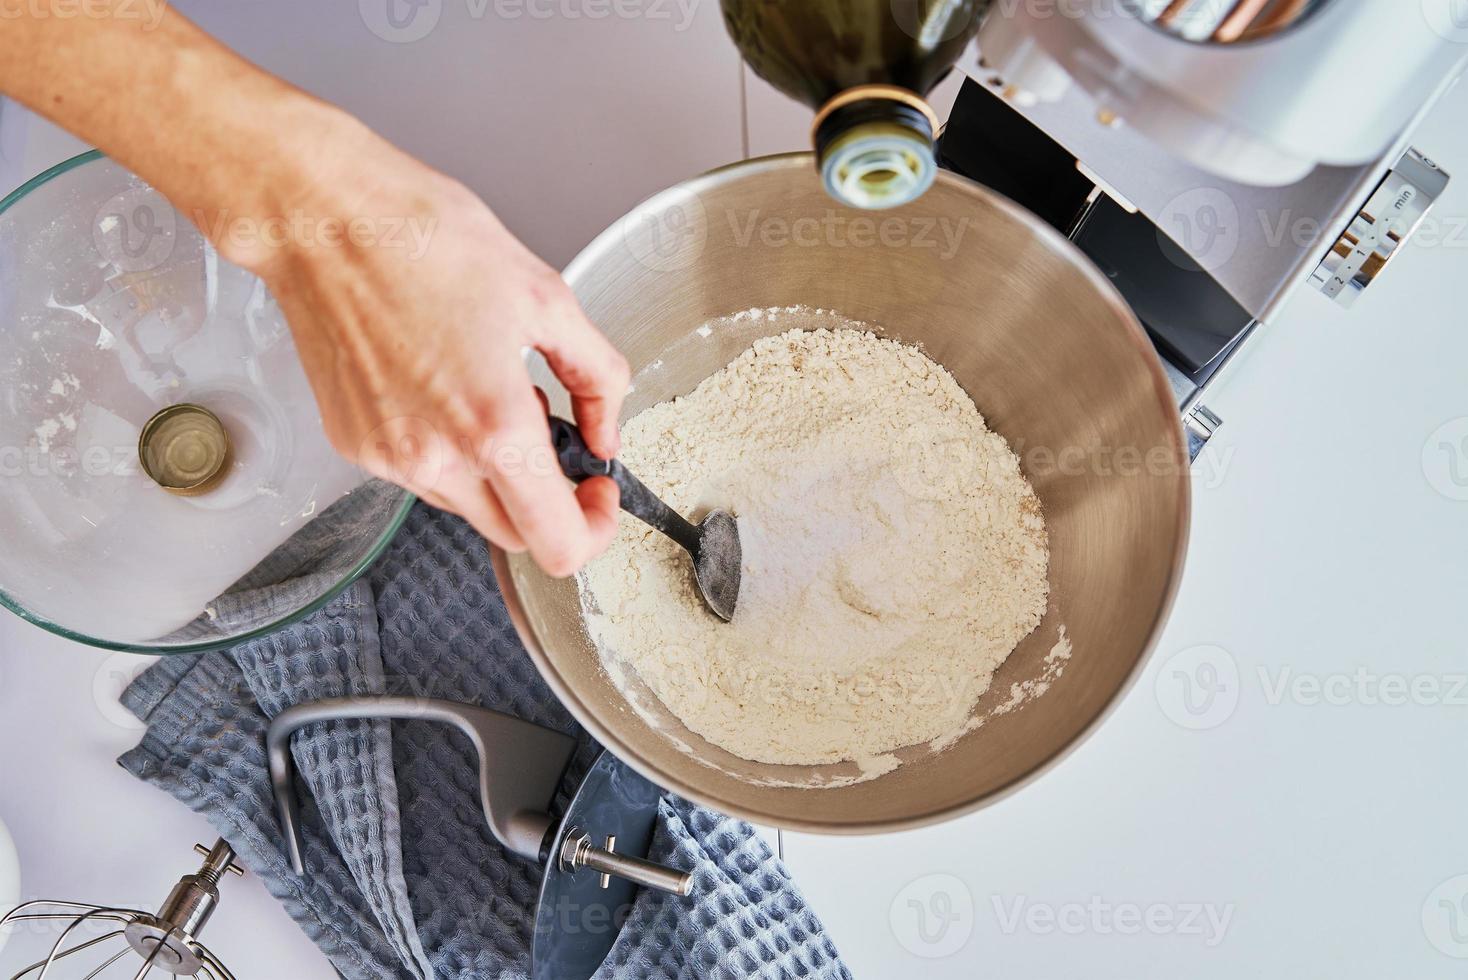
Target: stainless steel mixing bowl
(1054, 360)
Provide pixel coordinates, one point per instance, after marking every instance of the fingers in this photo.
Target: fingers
(562, 529)
(472, 499)
(512, 492)
(413, 454)
(596, 375)
(434, 500)
(600, 500)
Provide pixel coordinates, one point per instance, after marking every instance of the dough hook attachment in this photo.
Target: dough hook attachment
(521, 765)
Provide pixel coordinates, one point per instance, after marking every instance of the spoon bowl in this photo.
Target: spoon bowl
(717, 564)
(713, 544)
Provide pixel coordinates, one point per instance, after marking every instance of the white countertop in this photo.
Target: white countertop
(1307, 820)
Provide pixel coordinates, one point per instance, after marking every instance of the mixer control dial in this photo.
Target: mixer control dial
(1395, 210)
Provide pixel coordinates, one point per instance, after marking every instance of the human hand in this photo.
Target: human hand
(415, 351)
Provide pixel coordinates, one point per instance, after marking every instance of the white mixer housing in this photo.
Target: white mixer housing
(1337, 83)
(1249, 109)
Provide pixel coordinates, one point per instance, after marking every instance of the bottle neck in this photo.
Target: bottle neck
(874, 147)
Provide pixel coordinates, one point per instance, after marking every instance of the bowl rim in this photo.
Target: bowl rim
(1136, 336)
(203, 646)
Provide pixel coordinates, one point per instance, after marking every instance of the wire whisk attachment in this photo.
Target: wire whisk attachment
(166, 940)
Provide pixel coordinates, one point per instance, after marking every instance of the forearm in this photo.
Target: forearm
(410, 340)
(216, 135)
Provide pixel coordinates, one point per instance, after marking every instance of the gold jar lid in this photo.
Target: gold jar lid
(184, 449)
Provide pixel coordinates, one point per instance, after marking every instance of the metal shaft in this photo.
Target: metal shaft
(644, 873)
(218, 860)
(577, 851)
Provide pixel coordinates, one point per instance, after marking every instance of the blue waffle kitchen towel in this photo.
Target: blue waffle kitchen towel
(404, 878)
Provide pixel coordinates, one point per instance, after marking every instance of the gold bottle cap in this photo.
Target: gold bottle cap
(859, 93)
(184, 449)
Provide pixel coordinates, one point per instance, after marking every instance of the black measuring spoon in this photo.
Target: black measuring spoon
(713, 543)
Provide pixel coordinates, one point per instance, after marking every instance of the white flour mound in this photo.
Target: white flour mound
(894, 554)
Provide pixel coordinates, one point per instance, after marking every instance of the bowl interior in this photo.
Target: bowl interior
(1055, 362)
(114, 307)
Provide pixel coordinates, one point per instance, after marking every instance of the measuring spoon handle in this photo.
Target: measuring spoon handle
(579, 463)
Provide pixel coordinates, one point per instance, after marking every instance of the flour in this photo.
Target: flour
(45, 432)
(894, 554)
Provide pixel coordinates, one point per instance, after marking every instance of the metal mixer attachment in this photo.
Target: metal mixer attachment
(591, 855)
(167, 940)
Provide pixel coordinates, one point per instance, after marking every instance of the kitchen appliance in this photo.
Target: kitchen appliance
(1057, 365)
(1212, 156)
(594, 854)
(135, 942)
(167, 485)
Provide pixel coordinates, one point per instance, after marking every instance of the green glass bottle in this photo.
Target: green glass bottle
(864, 66)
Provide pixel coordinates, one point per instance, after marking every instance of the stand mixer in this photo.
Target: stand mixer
(1216, 156)
(1211, 156)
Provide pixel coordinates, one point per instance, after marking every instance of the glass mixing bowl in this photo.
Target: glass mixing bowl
(118, 322)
